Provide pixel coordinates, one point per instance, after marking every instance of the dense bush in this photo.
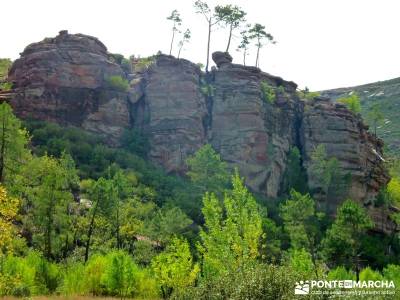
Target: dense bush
(117, 83)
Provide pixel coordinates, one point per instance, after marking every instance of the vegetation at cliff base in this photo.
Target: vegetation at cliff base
(78, 218)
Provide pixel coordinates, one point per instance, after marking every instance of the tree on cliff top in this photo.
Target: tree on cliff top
(258, 33)
(244, 43)
(211, 18)
(175, 17)
(185, 39)
(352, 102)
(232, 16)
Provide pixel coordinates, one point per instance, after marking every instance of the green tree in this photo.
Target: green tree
(258, 33)
(47, 195)
(302, 223)
(232, 16)
(352, 102)
(244, 43)
(98, 193)
(8, 211)
(295, 176)
(207, 171)
(202, 8)
(176, 20)
(185, 39)
(375, 116)
(326, 175)
(232, 233)
(342, 244)
(174, 268)
(14, 141)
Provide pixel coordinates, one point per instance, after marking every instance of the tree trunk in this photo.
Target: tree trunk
(172, 41)
(229, 39)
(244, 57)
(208, 45)
(258, 54)
(90, 232)
(179, 52)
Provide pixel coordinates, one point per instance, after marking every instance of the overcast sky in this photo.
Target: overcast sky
(320, 43)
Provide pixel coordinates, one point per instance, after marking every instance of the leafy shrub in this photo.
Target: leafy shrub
(268, 92)
(6, 86)
(120, 274)
(207, 89)
(352, 102)
(136, 142)
(73, 282)
(17, 278)
(94, 271)
(255, 281)
(117, 83)
(142, 64)
(307, 95)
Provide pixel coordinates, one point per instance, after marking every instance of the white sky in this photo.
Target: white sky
(321, 43)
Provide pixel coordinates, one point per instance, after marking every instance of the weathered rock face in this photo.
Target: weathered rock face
(179, 108)
(174, 111)
(62, 79)
(346, 138)
(250, 132)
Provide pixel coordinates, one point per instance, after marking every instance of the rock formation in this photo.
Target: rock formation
(64, 79)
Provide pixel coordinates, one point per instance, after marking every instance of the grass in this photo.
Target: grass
(60, 298)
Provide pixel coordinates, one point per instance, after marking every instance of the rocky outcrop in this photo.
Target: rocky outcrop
(346, 138)
(250, 132)
(251, 118)
(63, 79)
(174, 112)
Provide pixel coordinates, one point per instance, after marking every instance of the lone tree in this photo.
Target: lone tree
(232, 17)
(175, 17)
(211, 18)
(376, 116)
(185, 39)
(258, 33)
(244, 43)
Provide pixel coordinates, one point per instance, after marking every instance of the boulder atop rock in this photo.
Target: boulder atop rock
(221, 58)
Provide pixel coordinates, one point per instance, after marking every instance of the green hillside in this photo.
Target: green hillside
(386, 96)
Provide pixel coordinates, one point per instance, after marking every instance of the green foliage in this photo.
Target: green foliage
(120, 274)
(393, 190)
(207, 171)
(295, 175)
(174, 268)
(232, 233)
(47, 192)
(326, 176)
(5, 64)
(231, 16)
(342, 244)
(268, 92)
(303, 224)
(307, 95)
(143, 63)
(352, 102)
(116, 82)
(340, 273)
(13, 144)
(253, 281)
(207, 89)
(136, 142)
